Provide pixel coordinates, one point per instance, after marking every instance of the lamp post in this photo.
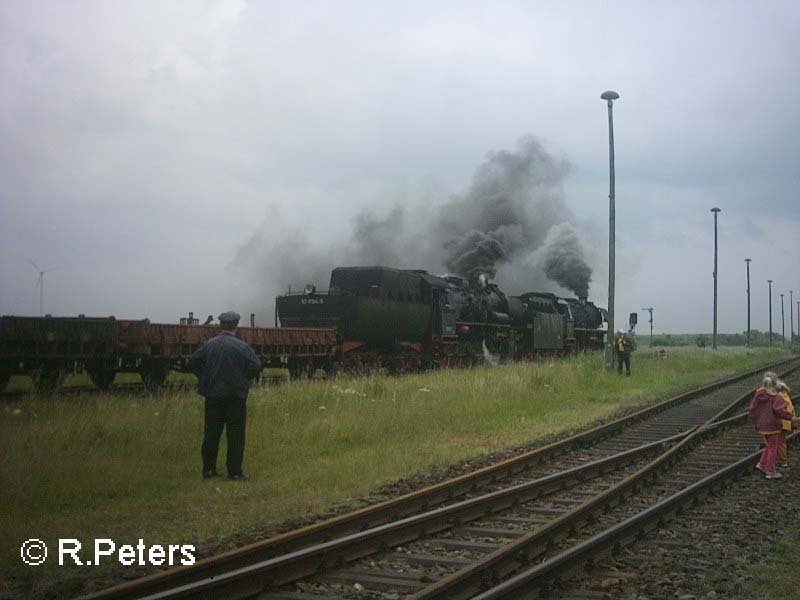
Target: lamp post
(747, 260)
(716, 211)
(791, 317)
(769, 281)
(650, 309)
(609, 97)
(783, 324)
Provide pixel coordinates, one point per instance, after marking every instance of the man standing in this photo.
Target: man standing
(225, 367)
(624, 346)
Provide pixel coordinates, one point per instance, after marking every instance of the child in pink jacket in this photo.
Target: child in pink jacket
(767, 409)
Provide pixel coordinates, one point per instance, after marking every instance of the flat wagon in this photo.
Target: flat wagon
(49, 348)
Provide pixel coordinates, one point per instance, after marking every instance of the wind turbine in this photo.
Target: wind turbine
(40, 284)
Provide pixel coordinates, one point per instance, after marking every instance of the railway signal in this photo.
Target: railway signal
(650, 309)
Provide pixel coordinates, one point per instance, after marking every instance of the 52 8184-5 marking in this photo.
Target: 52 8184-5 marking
(312, 301)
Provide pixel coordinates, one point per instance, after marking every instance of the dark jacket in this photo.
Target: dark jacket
(767, 410)
(225, 366)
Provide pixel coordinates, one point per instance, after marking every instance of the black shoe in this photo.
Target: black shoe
(239, 477)
(210, 474)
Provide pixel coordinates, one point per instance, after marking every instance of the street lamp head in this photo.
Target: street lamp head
(748, 260)
(769, 281)
(609, 95)
(716, 210)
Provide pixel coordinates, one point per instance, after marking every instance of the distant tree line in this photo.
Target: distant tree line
(757, 338)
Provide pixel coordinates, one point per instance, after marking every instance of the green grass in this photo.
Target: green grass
(777, 578)
(129, 467)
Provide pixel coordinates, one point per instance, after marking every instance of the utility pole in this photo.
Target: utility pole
(650, 309)
(609, 97)
(747, 260)
(769, 281)
(716, 211)
(783, 324)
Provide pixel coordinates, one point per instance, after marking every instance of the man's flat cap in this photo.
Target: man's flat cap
(229, 317)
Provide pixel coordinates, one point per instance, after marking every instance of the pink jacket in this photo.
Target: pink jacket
(767, 410)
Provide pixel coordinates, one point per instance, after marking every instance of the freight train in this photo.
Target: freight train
(370, 317)
(410, 319)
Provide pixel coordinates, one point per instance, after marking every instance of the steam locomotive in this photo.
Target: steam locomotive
(410, 319)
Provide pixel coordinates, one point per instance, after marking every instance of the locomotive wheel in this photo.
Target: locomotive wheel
(466, 355)
(48, 381)
(102, 378)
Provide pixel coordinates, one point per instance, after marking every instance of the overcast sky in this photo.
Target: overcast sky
(144, 146)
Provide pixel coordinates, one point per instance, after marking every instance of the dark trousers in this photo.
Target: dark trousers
(229, 414)
(624, 357)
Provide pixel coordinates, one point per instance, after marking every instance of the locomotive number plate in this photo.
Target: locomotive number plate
(312, 301)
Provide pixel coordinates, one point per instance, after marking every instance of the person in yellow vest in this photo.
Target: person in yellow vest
(786, 426)
(623, 346)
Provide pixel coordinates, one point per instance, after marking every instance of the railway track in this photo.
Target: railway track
(703, 551)
(703, 464)
(451, 527)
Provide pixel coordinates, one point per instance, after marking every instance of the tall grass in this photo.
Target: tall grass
(129, 467)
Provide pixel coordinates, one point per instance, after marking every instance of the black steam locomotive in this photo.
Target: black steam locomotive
(410, 319)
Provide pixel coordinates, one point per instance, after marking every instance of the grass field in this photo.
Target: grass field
(778, 577)
(124, 468)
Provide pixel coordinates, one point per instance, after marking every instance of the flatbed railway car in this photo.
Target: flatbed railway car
(49, 348)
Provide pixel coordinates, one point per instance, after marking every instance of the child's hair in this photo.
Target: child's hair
(782, 387)
(770, 380)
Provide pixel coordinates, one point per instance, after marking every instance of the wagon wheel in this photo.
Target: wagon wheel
(154, 375)
(48, 381)
(102, 378)
(330, 369)
(300, 370)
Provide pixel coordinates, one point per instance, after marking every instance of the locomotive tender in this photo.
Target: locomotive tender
(410, 319)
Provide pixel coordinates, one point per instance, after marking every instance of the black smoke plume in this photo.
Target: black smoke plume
(513, 201)
(563, 261)
(512, 224)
